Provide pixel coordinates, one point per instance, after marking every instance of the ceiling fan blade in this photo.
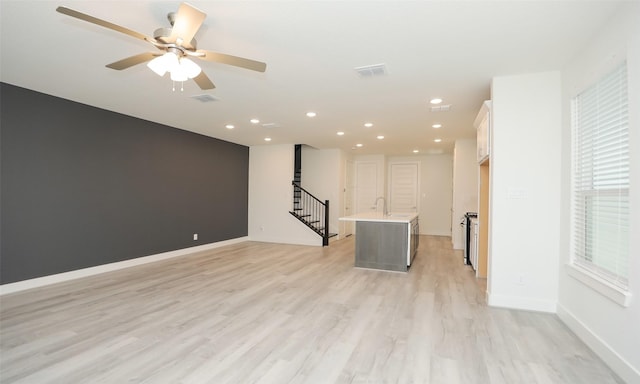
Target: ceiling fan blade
(203, 81)
(187, 22)
(232, 60)
(131, 61)
(102, 23)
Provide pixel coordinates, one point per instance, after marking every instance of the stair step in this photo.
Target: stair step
(314, 221)
(297, 209)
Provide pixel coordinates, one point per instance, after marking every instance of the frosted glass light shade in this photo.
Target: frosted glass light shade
(189, 68)
(170, 60)
(178, 74)
(157, 65)
(163, 64)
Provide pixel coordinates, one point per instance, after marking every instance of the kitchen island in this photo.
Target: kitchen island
(386, 242)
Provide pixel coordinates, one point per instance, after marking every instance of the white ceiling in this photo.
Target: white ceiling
(446, 49)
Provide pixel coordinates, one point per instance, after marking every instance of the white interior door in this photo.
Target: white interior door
(366, 186)
(403, 187)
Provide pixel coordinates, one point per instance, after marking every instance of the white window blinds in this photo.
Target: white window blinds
(600, 162)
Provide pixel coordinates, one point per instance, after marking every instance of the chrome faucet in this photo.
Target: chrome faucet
(384, 206)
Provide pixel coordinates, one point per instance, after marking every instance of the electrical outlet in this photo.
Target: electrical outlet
(195, 236)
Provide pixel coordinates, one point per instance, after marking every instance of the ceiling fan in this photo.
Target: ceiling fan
(176, 45)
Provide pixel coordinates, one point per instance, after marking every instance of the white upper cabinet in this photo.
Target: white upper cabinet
(483, 130)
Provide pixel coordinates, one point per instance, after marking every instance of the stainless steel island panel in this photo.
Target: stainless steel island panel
(382, 245)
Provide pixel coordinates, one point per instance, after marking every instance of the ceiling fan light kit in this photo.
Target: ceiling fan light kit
(181, 69)
(177, 43)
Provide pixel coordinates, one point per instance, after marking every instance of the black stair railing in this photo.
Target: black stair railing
(311, 211)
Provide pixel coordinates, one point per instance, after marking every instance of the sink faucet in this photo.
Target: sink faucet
(384, 205)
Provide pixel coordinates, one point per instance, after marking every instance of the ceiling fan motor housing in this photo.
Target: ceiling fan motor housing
(162, 35)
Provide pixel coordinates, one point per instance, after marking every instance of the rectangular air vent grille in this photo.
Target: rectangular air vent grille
(441, 108)
(371, 70)
(204, 98)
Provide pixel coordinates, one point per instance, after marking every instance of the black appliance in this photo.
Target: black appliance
(466, 224)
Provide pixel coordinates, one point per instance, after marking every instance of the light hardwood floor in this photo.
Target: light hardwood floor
(269, 313)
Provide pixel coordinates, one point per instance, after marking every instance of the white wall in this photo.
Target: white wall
(525, 191)
(612, 331)
(436, 174)
(323, 175)
(465, 186)
(271, 197)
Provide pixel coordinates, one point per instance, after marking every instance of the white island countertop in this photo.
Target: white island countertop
(393, 217)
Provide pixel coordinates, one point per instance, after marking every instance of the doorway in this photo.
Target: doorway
(366, 186)
(404, 187)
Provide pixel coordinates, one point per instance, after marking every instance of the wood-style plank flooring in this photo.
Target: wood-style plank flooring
(271, 313)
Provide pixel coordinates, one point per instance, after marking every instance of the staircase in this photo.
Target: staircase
(307, 208)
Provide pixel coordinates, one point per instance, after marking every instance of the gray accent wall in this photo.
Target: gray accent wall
(82, 186)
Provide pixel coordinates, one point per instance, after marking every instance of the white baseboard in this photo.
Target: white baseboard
(315, 242)
(616, 362)
(79, 273)
(515, 302)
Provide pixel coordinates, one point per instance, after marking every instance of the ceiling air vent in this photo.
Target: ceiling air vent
(441, 108)
(205, 98)
(371, 70)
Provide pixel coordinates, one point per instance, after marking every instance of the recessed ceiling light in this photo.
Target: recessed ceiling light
(267, 139)
(368, 125)
(311, 114)
(415, 151)
(254, 121)
(229, 126)
(340, 133)
(436, 100)
(437, 140)
(437, 125)
(379, 137)
(358, 145)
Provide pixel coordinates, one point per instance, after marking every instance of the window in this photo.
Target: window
(600, 180)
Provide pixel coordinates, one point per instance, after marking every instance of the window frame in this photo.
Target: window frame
(609, 283)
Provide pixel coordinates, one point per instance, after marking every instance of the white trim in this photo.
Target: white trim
(603, 287)
(79, 273)
(616, 362)
(523, 303)
(285, 240)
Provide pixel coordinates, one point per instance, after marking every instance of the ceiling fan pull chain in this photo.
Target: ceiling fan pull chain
(174, 86)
